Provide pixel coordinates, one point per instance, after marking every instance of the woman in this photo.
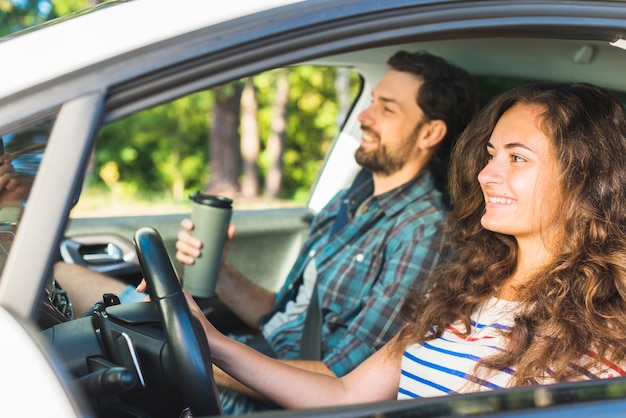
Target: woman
(535, 290)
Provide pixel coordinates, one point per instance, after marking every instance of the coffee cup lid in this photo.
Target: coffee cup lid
(211, 200)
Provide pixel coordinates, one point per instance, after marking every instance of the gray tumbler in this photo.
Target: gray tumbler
(211, 217)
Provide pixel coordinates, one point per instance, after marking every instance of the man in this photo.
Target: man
(14, 186)
(391, 239)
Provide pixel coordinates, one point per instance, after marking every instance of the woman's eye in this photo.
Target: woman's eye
(517, 159)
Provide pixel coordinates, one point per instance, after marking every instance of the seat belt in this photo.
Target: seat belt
(311, 343)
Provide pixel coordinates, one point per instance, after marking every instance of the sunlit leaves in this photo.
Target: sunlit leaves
(164, 151)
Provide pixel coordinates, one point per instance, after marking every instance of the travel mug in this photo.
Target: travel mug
(211, 216)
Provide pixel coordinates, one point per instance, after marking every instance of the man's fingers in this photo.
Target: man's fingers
(142, 286)
(184, 258)
(187, 224)
(188, 240)
(5, 178)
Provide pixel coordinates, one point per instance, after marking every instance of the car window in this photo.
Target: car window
(25, 148)
(260, 140)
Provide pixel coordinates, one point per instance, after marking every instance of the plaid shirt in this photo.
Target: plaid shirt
(364, 270)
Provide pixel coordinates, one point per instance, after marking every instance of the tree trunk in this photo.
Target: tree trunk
(178, 180)
(276, 140)
(250, 146)
(344, 101)
(224, 141)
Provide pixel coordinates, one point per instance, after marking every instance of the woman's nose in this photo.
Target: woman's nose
(491, 173)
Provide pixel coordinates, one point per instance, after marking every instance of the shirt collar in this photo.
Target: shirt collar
(390, 201)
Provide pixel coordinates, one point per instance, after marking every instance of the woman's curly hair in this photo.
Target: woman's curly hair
(578, 301)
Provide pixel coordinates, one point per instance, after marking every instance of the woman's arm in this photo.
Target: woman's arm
(224, 380)
(376, 379)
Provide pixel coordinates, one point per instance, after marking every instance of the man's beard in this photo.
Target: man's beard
(383, 160)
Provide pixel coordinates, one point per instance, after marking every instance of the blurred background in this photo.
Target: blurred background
(260, 140)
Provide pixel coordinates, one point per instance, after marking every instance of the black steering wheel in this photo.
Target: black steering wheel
(188, 347)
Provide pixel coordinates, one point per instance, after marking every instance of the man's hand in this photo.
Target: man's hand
(188, 247)
(14, 187)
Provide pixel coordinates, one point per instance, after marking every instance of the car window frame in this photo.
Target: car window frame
(56, 180)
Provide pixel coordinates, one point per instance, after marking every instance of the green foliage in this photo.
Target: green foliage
(311, 124)
(18, 15)
(164, 151)
(156, 148)
(65, 7)
(146, 153)
(14, 17)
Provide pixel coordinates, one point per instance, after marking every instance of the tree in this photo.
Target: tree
(276, 140)
(26, 13)
(17, 15)
(344, 95)
(287, 119)
(250, 141)
(225, 164)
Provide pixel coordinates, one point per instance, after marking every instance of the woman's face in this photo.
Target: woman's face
(519, 182)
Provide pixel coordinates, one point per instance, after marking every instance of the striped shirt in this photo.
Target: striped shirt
(446, 365)
(363, 271)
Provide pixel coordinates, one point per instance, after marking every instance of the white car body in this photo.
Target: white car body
(107, 64)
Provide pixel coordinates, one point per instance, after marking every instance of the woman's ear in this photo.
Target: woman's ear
(432, 133)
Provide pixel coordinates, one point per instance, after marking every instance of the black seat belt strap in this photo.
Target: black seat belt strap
(311, 344)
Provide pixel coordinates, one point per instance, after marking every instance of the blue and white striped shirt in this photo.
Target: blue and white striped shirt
(447, 364)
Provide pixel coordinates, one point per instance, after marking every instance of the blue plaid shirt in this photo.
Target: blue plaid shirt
(364, 270)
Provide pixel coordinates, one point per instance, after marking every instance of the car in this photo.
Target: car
(64, 82)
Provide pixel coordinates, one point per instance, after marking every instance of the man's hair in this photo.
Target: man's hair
(448, 93)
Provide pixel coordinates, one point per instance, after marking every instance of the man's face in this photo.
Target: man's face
(390, 124)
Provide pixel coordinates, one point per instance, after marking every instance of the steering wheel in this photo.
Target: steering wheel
(187, 343)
